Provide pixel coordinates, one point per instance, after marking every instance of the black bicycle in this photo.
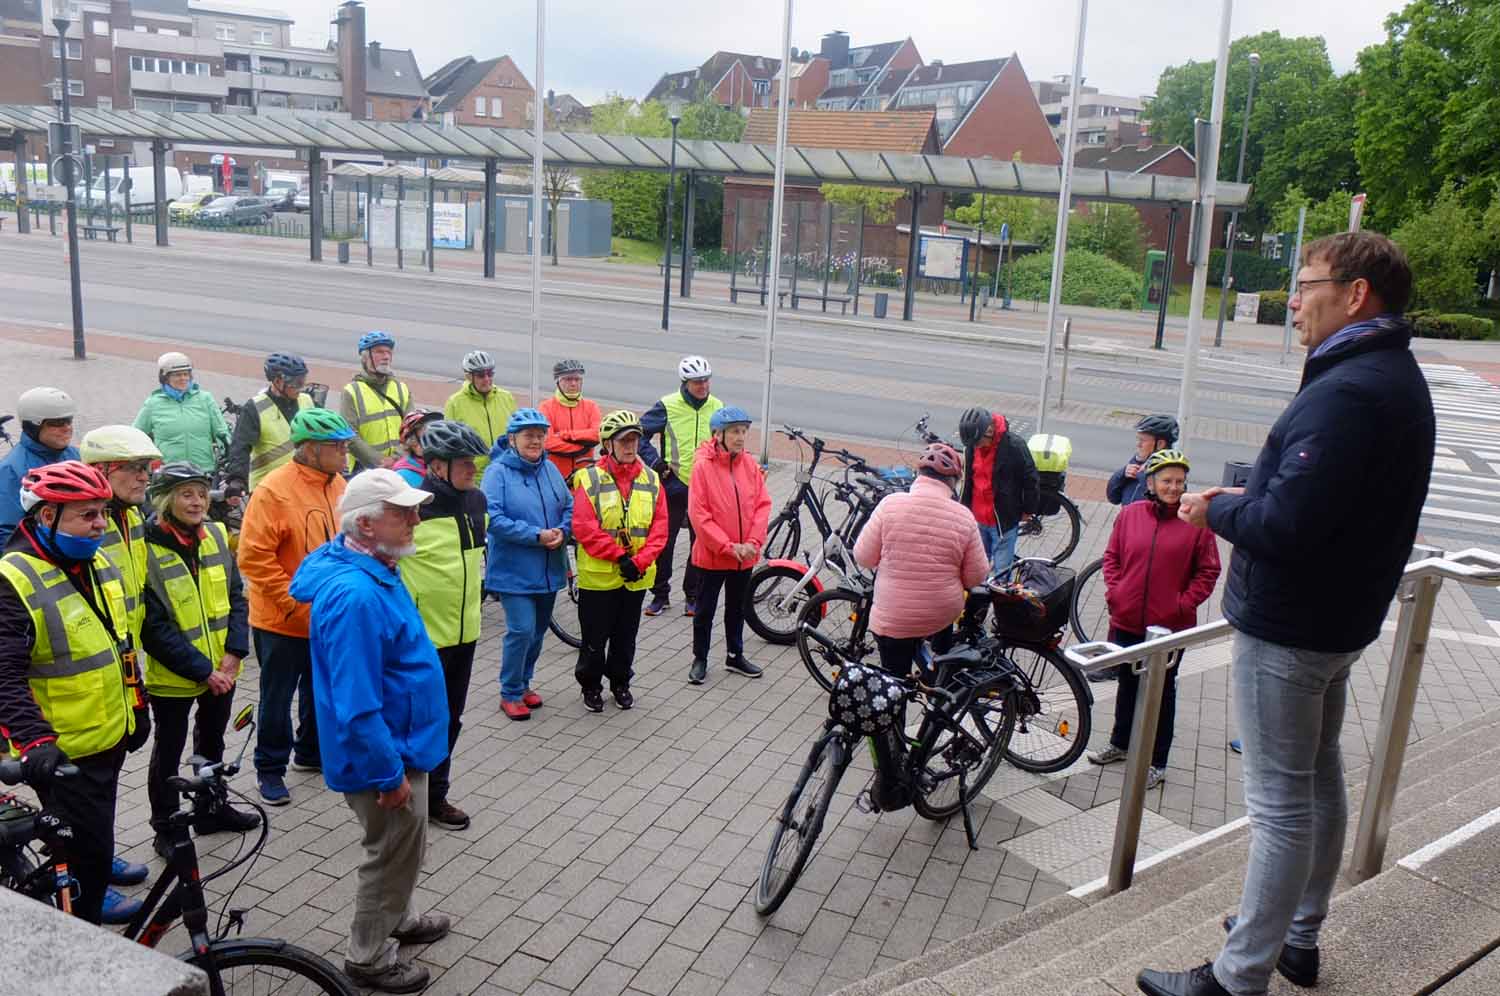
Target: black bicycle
(30, 864)
(5, 436)
(784, 533)
(967, 714)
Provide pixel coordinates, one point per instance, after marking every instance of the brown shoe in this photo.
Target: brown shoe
(397, 977)
(448, 816)
(428, 928)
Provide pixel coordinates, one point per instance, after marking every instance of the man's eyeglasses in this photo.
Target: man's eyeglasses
(1324, 280)
(483, 374)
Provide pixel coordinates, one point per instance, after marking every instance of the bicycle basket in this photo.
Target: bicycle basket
(1033, 606)
(17, 822)
(865, 699)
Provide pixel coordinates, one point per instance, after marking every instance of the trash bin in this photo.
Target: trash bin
(1236, 474)
(343, 252)
(882, 302)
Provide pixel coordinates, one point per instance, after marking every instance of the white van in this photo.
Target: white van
(142, 184)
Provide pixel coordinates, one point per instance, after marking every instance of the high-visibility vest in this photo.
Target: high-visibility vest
(274, 446)
(128, 555)
(632, 523)
(687, 429)
(446, 577)
(377, 416)
(199, 607)
(76, 674)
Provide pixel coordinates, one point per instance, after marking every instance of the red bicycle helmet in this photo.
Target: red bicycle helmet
(414, 420)
(61, 483)
(941, 459)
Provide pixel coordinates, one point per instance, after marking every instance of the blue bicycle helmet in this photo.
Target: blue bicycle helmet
(526, 418)
(377, 338)
(286, 365)
(727, 416)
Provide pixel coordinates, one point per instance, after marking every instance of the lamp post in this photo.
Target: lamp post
(674, 114)
(1226, 282)
(69, 170)
(979, 255)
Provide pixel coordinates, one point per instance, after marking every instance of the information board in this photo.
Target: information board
(413, 227)
(1247, 308)
(450, 229)
(942, 257)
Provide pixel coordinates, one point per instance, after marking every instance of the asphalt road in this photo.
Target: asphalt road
(850, 383)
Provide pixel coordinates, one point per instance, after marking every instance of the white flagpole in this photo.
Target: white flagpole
(539, 112)
(778, 191)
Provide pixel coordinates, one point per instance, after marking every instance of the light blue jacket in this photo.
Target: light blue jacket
(381, 701)
(524, 498)
(27, 456)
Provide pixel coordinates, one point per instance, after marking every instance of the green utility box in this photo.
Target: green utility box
(1155, 281)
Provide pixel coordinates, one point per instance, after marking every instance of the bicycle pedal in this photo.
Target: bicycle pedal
(865, 803)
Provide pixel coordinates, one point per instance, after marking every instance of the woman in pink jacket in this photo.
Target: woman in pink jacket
(728, 506)
(928, 553)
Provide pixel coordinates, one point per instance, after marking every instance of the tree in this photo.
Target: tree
(1031, 219)
(1112, 230)
(1325, 217)
(1445, 245)
(879, 202)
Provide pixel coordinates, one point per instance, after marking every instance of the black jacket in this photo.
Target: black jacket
(160, 636)
(469, 507)
(247, 434)
(1326, 523)
(1015, 484)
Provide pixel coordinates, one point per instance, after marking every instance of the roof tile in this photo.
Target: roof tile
(866, 131)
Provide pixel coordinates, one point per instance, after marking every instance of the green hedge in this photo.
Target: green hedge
(1089, 280)
(1430, 325)
(1272, 308)
(1251, 272)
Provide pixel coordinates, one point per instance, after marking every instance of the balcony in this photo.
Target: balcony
(141, 41)
(305, 86)
(179, 83)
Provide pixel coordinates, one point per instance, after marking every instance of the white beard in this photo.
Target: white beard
(395, 552)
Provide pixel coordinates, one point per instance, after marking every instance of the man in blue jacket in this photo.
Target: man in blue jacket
(382, 715)
(46, 415)
(1321, 535)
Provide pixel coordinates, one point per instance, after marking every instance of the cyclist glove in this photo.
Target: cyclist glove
(628, 570)
(135, 741)
(40, 761)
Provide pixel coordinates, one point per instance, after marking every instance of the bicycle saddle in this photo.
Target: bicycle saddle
(960, 658)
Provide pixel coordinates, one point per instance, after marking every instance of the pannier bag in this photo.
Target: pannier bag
(1032, 605)
(1051, 454)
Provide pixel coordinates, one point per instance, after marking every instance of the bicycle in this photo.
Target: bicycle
(784, 533)
(269, 965)
(967, 715)
(5, 433)
(564, 623)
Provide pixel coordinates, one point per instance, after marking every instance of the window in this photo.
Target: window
(75, 89)
(138, 27)
(369, 110)
(261, 36)
(137, 63)
(176, 65)
(224, 32)
(103, 66)
(105, 103)
(75, 49)
(479, 107)
(100, 26)
(173, 32)
(496, 108)
(762, 86)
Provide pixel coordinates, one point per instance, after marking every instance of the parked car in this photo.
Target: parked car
(237, 211)
(302, 202)
(187, 208)
(281, 196)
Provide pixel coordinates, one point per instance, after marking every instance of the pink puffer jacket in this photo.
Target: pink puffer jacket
(927, 550)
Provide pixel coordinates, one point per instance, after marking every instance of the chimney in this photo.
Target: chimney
(351, 52)
(375, 53)
(835, 46)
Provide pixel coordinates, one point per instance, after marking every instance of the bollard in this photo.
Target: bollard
(343, 252)
(1137, 760)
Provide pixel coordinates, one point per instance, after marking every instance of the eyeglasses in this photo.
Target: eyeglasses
(483, 374)
(1324, 280)
(139, 466)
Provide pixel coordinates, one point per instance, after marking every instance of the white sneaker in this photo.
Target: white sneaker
(1109, 755)
(1154, 777)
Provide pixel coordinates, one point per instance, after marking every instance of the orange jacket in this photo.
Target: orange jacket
(292, 512)
(727, 504)
(573, 434)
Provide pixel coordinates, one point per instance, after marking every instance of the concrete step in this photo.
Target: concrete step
(1480, 979)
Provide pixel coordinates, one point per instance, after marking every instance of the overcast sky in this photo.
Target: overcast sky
(596, 47)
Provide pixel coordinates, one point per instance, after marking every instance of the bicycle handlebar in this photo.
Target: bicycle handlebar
(13, 772)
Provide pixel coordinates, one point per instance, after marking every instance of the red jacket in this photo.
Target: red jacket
(1157, 569)
(727, 503)
(573, 433)
(603, 545)
(982, 502)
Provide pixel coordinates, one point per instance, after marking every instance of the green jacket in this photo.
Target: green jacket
(192, 429)
(486, 414)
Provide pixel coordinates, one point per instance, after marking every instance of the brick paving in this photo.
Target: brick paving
(616, 853)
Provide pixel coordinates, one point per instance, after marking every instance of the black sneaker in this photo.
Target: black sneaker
(448, 816)
(698, 671)
(738, 663)
(162, 846)
(226, 820)
(593, 700)
(623, 698)
(659, 604)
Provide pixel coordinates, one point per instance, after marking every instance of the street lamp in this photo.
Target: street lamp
(69, 173)
(674, 114)
(978, 253)
(1226, 283)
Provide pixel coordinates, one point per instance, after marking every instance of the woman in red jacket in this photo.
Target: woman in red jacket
(729, 507)
(1157, 570)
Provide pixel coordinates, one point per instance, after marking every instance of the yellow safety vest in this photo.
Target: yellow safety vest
(129, 558)
(377, 416)
(446, 578)
(76, 675)
(274, 446)
(633, 523)
(200, 607)
(687, 429)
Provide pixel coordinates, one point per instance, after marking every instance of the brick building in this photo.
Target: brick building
(731, 79)
(983, 108)
(492, 93)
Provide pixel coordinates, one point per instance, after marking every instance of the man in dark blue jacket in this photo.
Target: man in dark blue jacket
(1321, 535)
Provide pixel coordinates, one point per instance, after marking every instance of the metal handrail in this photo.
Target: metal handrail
(1417, 595)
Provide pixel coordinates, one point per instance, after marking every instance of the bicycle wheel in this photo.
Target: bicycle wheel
(800, 821)
(256, 965)
(943, 753)
(1054, 717)
(18, 873)
(844, 617)
(1053, 536)
(564, 623)
(784, 537)
(1088, 614)
(770, 607)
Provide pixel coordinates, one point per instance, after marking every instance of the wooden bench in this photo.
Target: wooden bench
(92, 231)
(832, 297)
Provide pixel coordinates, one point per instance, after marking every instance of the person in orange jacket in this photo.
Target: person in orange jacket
(573, 419)
(729, 507)
(292, 512)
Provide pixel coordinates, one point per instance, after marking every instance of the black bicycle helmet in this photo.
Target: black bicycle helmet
(446, 440)
(169, 475)
(1160, 426)
(563, 368)
(973, 424)
(285, 365)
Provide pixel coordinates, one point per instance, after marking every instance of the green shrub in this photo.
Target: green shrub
(1251, 272)
(1272, 308)
(1433, 326)
(1089, 280)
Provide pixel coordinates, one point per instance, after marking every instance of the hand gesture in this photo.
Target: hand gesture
(1194, 509)
(1132, 470)
(396, 797)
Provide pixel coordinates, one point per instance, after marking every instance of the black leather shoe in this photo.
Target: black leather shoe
(226, 820)
(623, 698)
(738, 664)
(1199, 981)
(593, 700)
(1299, 966)
(698, 671)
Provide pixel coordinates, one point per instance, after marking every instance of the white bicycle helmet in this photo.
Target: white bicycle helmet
(694, 368)
(170, 363)
(117, 444)
(42, 403)
(478, 360)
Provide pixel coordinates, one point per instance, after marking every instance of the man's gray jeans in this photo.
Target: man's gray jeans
(394, 841)
(1290, 708)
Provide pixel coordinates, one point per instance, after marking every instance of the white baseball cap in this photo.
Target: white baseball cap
(381, 487)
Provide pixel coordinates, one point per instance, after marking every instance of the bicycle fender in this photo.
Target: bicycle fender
(799, 566)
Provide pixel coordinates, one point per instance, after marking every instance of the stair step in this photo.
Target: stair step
(1480, 979)
(1423, 827)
